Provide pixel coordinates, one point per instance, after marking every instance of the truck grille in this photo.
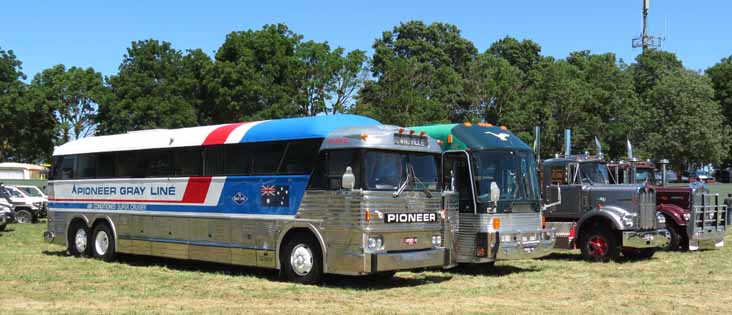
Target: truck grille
(708, 215)
(647, 214)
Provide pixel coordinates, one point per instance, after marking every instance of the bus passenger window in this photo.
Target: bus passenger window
(105, 165)
(300, 157)
(187, 162)
(237, 159)
(213, 160)
(268, 157)
(154, 163)
(87, 166)
(67, 167)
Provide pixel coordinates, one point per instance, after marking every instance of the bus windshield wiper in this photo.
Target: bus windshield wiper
(418, 181)
(403, 186)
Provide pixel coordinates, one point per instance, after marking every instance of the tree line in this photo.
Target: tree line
(418, 74)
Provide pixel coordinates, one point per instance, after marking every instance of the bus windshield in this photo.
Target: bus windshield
(385, 170)
(513, 172)
(594, 173)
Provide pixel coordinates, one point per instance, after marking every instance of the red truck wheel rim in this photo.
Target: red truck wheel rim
(598, 246)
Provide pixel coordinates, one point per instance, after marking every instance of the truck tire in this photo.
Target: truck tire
(78, 240)
(675, 241)
(301, 260)
(639, 253)
(599, 244)
(102, 245)
(23, 216)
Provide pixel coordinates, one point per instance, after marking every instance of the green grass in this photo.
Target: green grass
(40, 278)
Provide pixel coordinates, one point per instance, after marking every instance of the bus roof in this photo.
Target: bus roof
(257, 131)
(473, 136)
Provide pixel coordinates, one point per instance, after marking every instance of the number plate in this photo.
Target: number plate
(410, 241)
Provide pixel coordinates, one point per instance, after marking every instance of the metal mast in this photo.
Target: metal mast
(646, 41)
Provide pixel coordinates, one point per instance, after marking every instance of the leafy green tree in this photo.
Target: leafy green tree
(147, 92)
(420, 73)
(496, 86)
(74, 95)
(650, 66)
(524, 54)
(721, 77)
(688, 125)
(26, 125)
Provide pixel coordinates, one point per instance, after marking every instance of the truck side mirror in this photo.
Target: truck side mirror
(349, 180)
(553, 190)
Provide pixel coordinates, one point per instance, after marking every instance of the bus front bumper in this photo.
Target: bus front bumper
(429, 258)
(525, 245)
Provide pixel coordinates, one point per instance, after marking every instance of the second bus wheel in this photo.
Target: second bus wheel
(78, 239)
(599, 244)
(301, 260)
(102, 245)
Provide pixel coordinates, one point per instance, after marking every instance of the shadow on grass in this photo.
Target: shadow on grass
(351, 282)
(563, 256)
(489, 270)
(6, 230)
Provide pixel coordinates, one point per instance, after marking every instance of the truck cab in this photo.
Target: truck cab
(602, 219)
(680, 205)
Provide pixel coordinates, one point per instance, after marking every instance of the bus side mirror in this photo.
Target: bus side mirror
(349, 180)
(551, 192)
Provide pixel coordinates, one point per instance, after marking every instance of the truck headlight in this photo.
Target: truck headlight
(375, 243)
(660, 218)
(686, 216)
(437, 240)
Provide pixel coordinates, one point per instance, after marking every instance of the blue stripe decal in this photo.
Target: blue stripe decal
(304, 127)
(270, 195)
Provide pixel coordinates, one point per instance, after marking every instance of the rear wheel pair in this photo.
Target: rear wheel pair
(98, 242)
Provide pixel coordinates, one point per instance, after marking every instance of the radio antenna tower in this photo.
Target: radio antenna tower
(646, 41)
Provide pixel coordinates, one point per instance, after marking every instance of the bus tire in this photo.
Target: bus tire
(78, 239)
(23, 217)
(301, 260)
(102, 245)
(599, 244)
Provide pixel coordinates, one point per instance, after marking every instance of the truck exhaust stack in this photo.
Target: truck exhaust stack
(567, 142)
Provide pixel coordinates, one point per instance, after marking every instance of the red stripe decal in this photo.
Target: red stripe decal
(219, 135)
(197, 189)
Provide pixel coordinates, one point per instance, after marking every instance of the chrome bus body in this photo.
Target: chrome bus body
(223, 218)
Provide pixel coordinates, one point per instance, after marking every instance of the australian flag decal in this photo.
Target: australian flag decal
(275, 195)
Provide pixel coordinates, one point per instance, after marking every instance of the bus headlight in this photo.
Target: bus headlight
(375, 243)
(437, 240)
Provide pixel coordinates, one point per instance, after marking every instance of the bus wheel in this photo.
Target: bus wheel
(599, 244)
(23, 217)
(79, 240)
(103, 242)
(301, 259)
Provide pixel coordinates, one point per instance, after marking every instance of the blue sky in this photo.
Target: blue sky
(96, 33)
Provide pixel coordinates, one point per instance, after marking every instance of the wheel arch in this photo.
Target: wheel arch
(296, 227)
(76, 218)
(674, 212)
(603, 216)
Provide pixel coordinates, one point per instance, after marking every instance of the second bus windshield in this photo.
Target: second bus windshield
(513, 172)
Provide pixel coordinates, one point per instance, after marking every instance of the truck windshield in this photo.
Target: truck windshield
(643, 175)
(594, 173)
(514, 173)
(386, 170)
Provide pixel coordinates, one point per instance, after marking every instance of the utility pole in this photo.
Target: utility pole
(646, 41)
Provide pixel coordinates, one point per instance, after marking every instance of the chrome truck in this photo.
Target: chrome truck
(497, 214)
(602, 219)
(338, 194)
(695, 218)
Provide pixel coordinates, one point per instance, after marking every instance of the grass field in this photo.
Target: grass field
(36, 277)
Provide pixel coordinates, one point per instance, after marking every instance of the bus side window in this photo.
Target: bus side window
(68, 166)
(267, 158)
(337, 163)
(87, 166)
(237, 159)
(300, 157)
(213, 157)
(187, 162)
(105, 164)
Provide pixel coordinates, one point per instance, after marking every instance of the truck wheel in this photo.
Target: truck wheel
(675, 240)
(301, 259)
(599, 244)
(639, 253)
(102, 245)
(79, 240)
(23, 217)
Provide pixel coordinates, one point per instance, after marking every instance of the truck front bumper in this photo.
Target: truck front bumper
(645, 239)
(709, 239)
(525, 245)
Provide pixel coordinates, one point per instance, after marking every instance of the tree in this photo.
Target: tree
(689, 127)
(650, 66)
(496, 85)
(148, 91)
(74, 95)
(25, 124)
(720, 76)
(523, 55)
(420, 72)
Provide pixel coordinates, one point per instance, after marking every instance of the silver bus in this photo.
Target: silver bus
(338, 194)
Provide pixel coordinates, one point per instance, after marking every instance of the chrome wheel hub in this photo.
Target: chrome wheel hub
(301, 260)
(101, 243)
(80, 240)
